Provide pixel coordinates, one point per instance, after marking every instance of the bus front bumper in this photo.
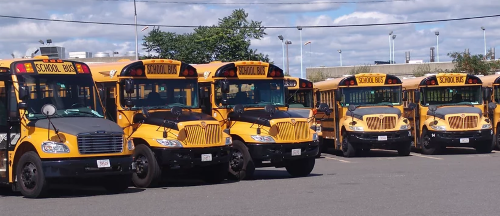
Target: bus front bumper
(278, 152)
(461, 138)
(182, 158)
(87, 167)
(380, 139)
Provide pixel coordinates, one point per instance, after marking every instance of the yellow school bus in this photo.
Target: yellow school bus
(53, 130)
(156, 102)
(248, 98)
(446, 110)
(300, 100)
(491, 94)
(367, 113)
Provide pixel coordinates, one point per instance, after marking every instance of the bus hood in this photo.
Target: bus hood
(360, 112)
(76, 125)
(443, 111)
(261, 117)
(304, 113)
(157, 118)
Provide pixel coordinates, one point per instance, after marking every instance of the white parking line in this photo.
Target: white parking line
(343, 161)
(423, 156)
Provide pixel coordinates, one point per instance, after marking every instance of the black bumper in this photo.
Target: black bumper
(453, 139)
(372, 138)
(190, 157)
(280, 152)
(87, 167)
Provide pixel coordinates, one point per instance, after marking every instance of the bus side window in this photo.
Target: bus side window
(109, 102)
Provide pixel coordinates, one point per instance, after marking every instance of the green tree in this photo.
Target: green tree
(317, 76)
(229, 40)
(471, 64)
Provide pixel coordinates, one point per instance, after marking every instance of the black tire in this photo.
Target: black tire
(321, 148)
(496, 139)
(31, 180)
(215, 174)
(404, 149)
(241, 165)
(429, 148)
(148, 172)
(117, 184)
(484, 148)
(301, 167)
(348, 149)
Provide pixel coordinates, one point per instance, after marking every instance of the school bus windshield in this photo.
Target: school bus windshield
(454, 95)
(72, 95)
(164, 93)
(254, 93)
(371, 96)
(300, 98)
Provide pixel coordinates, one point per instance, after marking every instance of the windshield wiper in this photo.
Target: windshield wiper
(85, 111)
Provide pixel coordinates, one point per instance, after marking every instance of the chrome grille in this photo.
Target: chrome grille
(385, 123)
(290, 132)
(100, 143)
(196, 135)
(468, 122)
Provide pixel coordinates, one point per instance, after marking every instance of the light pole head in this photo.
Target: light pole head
(280, 37)
(288, 42)
(49, 41)
(390, 33)
(482, 27)
(437, 33)
(308, 42)
(340, 51)
(299, 28)
(41, 41)
(394, 37)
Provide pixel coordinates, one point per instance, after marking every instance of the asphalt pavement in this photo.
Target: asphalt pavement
(459, 182)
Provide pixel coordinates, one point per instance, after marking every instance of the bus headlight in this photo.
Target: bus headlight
(315, 136)
(438, 128)
(229, 141)
(169, 143)
(266, 139)
(405, 127)
(356, 128)
(130, 145)
(486, 126)
(54, 147)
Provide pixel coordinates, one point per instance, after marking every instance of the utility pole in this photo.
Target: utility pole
(136, 40)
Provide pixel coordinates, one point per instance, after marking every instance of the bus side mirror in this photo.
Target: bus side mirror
(412, 106)
(224, 86)
(338, 96)
(324, 108)
(129, 86)
(24, 93)
(487, 94)
(417, 96)
(492, 105)
(318, 98)
(405, 95)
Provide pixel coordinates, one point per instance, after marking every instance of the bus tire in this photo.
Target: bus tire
(117, 183)
(148, 172)
(404, 149)
(241, 165)
(348, 149)
(215, 174)
(301, 167)
(31, 180)
(496, 140)
(321, 148)
(429, 148)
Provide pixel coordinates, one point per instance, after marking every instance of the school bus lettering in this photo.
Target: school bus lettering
(69, 69)
(364, 80)
(242, 70)
(447, 79)
(41, 68)
(47, 68)
(161, 69)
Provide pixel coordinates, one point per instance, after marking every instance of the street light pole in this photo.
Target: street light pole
(287, 62)
(437, 45)
(136, 40)
(283, 49)
(484, 37)
(390, 47)
(393, 56)
(340, 52)
(301, 70)
(309, 43)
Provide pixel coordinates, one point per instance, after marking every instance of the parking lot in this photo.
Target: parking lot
(460, 182)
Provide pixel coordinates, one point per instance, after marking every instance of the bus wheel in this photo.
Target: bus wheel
(321, 148)
(404, 149)
(148, 172)
(428, 147)
(300, 167)
(347, 148)
(117, 184)
(497, 140)
(215, 174)
(241, 165)
(30, 178)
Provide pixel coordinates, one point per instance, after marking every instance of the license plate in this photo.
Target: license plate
(103, 163)
(464, 140)
(206, 157)
(296, 152)
(382, 138)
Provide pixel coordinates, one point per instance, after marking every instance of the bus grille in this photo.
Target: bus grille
(457, 122)
(375, 123)
(100, 143)
(290, 132)
(196, 135)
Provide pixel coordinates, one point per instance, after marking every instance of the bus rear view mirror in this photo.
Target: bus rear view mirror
(24, 92)
(412, 106)
(486, 94)
(492, 105)
(338, 96)
(432, 108)
(417, 96)
(224, 86)
(129, 86)
(351, 108)
(324, 108)
(405, 96)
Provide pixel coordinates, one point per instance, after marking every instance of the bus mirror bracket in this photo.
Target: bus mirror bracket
(433, 109)
(351, 109)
